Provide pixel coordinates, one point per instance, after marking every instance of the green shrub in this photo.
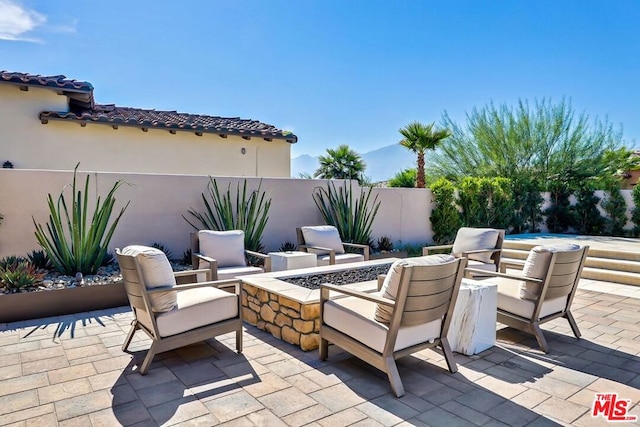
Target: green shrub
(588, 218)
(405, 178)
(616, 208)
(384, 243)
(72, 243)
(527, 205)
(635, 215)
(18, 275)
(40, 260)
(500, 209)
(445, 217)
(559, 215)
(249, 212)
(288, 247)
(353, 217)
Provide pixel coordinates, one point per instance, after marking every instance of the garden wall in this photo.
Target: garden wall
(158, 203)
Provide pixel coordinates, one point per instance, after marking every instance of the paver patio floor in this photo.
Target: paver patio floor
(70, 371)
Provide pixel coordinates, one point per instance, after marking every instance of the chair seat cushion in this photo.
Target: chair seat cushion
(481, 265)
(325, 236)
(471, 239)
(537, 266)
(197, 307)
(233, 272)
(156, 273)
(509, 300)
(340, 259)
(355, 317)
(226, 247)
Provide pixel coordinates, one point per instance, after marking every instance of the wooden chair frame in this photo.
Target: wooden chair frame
(196, 256)
(532, 325)
(145, 318)
(302, 246)
(386, 361)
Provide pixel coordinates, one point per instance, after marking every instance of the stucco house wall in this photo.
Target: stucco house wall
(60, 144)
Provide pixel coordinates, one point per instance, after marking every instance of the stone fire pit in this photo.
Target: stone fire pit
(277, 303)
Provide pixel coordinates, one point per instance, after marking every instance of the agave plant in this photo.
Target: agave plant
(249, 212)
(18, 275)
(353, 217)
(73, 242)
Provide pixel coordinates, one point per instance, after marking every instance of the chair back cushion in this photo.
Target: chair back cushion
(226, 247)
(156, 272)
(433, 278)
(538, 263)
(470, 239)
(325, 236)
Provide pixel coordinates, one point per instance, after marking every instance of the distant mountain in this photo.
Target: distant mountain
(382, 163)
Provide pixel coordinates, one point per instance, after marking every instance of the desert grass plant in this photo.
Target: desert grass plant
(247, 211)
(74, 240)
(352, 215)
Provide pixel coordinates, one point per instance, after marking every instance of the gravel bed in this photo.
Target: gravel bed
(364, 274)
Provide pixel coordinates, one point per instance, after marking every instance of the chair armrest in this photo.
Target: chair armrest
(504, 275)
(514, 264)
(185, 273)
(226, 283)
(480, 251)
(318, 248)
(365, 248)
(381, 278)
(427, 249)
(332, 253)
(265, 257)
(205, 258)
(326, 287)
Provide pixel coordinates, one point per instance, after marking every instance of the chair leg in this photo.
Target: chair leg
(132, 331)
(239, 340)
(148, 358)
(573, 324)
(542, 342)
(448, 355)
(323, 349)
(394, 376)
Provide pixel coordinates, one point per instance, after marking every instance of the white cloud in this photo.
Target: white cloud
(16, 21)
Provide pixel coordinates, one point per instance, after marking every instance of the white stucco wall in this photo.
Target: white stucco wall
(28, 144)
(158, 203)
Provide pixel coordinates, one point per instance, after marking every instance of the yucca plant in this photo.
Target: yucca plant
(249, 212)
(352, 216)
(74, 242)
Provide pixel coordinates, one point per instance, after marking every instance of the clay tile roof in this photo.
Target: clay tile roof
(171, 120)
(57, 82)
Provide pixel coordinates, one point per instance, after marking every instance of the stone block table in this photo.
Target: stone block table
(292, 260)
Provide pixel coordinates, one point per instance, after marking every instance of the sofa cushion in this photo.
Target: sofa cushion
(471, 239)
(226, 247)
(233, 272)
(355, 318)
(325, 236)
(537, 266)
(156, 273)
(197, 307)
(509, 300)
(391, 282)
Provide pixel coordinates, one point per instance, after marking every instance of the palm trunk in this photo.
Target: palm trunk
(420, 175)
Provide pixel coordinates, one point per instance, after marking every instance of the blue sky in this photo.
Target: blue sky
(336, 72)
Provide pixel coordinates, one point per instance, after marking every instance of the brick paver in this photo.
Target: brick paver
(70, 371)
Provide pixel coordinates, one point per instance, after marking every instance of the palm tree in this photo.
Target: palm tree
(419, 138)
(341, 163)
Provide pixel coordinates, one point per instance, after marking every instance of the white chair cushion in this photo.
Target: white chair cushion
(471, 239)
(156, 272)
(197, 307)
(325, 236)
(391, 282)
(537, 266)
(509, 300)
(233, 272)
(355, 318)
(226, 247)
(340, 259)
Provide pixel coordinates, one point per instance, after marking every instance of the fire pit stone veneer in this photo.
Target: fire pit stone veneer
(288, 311)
